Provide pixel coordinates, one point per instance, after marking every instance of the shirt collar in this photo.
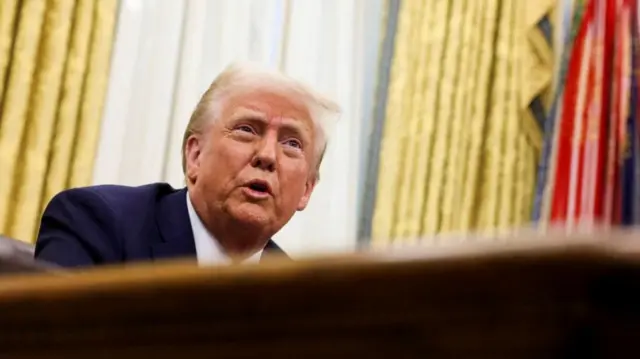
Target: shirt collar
(208, 250)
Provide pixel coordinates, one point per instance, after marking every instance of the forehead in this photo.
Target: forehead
(273, 105)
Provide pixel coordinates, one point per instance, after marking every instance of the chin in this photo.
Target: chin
(251, 214)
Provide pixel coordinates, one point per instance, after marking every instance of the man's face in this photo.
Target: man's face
(254, 163)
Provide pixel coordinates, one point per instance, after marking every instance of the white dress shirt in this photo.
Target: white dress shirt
(208, 250)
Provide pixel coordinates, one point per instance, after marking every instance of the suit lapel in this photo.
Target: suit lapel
(271, 250)
(172, 219)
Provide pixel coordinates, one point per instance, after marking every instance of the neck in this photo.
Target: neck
(237, 239)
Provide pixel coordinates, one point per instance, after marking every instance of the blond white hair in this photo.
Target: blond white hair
(241, 77)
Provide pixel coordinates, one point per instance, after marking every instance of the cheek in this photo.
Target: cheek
(224, 161)
(234, 151)
(226, 155)
(293, 179)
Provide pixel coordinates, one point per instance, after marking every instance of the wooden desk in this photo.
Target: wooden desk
(575, 301)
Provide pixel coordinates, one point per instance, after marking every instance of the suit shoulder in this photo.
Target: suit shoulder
(117, 197)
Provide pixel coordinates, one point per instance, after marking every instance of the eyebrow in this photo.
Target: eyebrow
(297, 130)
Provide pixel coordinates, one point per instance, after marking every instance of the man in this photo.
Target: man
(251, 155)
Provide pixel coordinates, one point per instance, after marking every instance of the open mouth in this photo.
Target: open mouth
(259, 186)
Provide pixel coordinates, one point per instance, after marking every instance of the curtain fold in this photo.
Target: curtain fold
(7, 23)
(53, 54)
(463, 122)
(94, 89)
(140, 91)
(378, 111)
(70, 96)
(40, 118)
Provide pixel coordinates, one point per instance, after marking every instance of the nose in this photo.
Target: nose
(265, 156)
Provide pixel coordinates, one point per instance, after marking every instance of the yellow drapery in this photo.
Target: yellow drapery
(460, 143)
(54, 64)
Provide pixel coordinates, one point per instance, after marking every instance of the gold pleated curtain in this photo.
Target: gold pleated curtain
(54, 64)
(460, 142)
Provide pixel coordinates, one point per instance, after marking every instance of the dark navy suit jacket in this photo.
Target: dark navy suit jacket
(111, 224)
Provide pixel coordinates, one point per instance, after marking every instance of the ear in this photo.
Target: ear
(192, 151)
(309, 186)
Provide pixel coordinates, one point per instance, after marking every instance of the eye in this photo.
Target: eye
(293, 143)
(245, 128)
